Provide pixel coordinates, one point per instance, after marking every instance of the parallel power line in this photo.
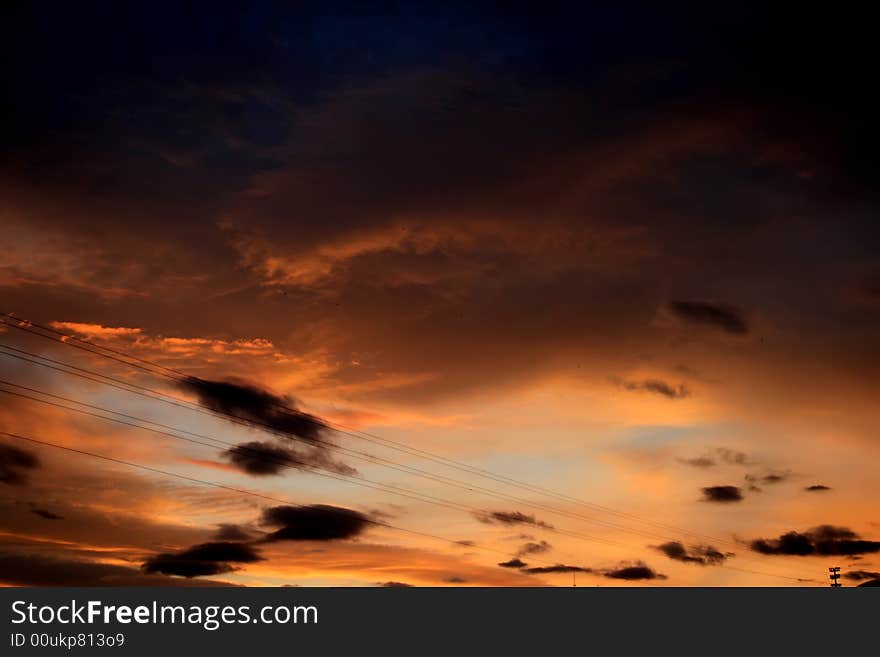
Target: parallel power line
(248, 492)
(364, 456)
(166, 372)
(357, 480)
(160, 396)
(290, 461)
(160, 370)
(172, 432)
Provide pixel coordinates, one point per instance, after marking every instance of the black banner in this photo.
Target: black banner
(108, 621)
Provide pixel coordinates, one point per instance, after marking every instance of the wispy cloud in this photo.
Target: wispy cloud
(510, 518)
(704, 555)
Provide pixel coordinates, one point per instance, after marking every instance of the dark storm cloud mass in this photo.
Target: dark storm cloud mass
(317, 522)
(249, 402)
(633, 571)
(546, 125)
(213, 558)
(658, 387)
(704, 555)
(870, 583)
(722, 494)
(15, 463)
(824, 540)
(513, 563)
(561, 118)
(510, 518)
(817, 488)
(264, 459)
(859, 575)
(728, 319)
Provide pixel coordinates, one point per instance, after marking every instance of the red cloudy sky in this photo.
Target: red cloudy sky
(624, 256)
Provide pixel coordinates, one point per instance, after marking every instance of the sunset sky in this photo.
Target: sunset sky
(629, 255)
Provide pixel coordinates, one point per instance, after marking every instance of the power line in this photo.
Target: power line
(86, 345)
(360, 481)
(245, 491)
(286, 461)
(178, 376)
(159, 396)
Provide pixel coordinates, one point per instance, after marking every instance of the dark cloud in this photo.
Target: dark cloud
(634, 571)
(204, 559)
(533, 547)
(705, 555)
(259, 458)
(556, 568)
(658, 387)
(394, 585)
(630, 571)
(228, 532)
(728, 319)
(45, 513)
(411, 123)
(870, 583)
(264, 459)
(253, 404)
(14, 464)
(859, 575)
(250, 403)
(824, 540)
(455, 580)
(817, 488)
(317, 522)
(722, 494)
(39, 570)
(510, 518)
(466, 543)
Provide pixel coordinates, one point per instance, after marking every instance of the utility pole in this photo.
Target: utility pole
(834, 576)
